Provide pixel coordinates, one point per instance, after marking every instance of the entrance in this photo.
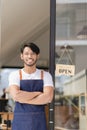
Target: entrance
(71, 49)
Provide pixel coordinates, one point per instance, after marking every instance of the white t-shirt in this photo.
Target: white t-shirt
(14, 77)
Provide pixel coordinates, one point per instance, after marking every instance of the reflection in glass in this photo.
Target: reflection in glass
(70, 104)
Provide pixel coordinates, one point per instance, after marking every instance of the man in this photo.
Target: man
(31, 88)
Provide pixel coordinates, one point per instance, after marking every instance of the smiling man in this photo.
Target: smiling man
(31, 89)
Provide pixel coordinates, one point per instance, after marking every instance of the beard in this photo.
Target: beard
(30, 64)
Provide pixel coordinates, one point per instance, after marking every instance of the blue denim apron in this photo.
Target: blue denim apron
(27, 116)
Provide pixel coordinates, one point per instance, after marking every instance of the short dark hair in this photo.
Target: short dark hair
(32, 46)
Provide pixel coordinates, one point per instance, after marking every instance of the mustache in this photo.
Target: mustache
(30, 59)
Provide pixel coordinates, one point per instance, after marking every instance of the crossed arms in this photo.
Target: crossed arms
(36, 98)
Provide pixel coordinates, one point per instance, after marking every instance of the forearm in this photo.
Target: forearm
(40, 100)
(43, 98)
(24, 96)
(20, 95)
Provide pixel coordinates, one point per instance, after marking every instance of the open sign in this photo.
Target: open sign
(65, 69)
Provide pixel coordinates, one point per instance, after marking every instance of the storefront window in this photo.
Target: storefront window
(71, 65)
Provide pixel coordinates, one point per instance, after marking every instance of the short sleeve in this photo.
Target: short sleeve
(14, 78)
(48, 81)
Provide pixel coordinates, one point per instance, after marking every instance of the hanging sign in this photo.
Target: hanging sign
(62, 69)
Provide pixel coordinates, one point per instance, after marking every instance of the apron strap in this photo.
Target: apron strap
(42, 74)
(20, 73)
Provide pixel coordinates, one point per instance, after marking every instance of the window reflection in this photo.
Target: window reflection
(71, 91)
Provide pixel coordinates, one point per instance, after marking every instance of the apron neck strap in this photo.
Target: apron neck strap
(20, 73)
(42, 74)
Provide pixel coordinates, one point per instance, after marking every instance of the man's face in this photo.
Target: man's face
(29, 57)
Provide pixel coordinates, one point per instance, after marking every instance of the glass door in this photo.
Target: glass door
(70, 111)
